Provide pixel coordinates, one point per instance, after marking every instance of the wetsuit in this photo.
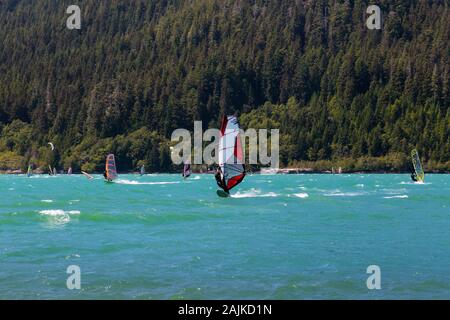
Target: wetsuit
(220, 181)
(414, 177)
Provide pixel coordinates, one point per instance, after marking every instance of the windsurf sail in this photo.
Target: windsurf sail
(231, 162)
(29, 171)
(55, 172)
(420, 175)
(111, 171)
(50, 171)
(69, 171)
(87, 175)
(142, 170)
(186, 170)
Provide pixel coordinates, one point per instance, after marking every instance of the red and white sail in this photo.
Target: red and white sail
(231, 160)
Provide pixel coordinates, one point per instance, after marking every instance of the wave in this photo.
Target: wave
(301, 195)
(133, 182)
(404, 196)
(415, 183)
(254, 193)
(58, 217)
(345, 194)
(59, 212)
(47, 201)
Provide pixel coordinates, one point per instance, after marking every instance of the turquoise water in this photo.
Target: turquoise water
(279, 237)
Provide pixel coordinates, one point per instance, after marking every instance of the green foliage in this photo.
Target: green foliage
(10, 161)
(139, 69)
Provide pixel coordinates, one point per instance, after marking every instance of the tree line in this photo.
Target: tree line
(137, 70)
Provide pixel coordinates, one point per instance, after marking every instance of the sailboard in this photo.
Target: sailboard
(231, 162)
(186, 170)
(420, 174)
(29, 171)
(111, 170)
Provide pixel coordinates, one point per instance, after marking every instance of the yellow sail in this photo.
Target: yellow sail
(417, 166)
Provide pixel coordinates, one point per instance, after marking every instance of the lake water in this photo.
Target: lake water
(278, 237)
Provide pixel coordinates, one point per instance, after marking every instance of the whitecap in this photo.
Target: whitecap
(344, 194)
(404, 196)
(133, 182)
(47, 201)
(59, 212)
(254, 193)
(415, 183)
(301, 195)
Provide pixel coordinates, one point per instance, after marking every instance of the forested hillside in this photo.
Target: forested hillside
(139, 69)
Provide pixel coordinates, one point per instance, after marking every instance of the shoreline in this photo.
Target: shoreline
(297, 172)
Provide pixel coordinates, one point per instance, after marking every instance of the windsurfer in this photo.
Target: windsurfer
(220, 181)
(414, 177)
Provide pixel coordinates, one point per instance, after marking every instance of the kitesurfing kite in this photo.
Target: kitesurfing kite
(110, 173)
(231, 169)
(418, 175)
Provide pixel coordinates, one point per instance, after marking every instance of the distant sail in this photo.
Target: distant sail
(111, 170)
(142, 170)
(87, 175)
(187, 170)
(50, 171)
(69, 172)
(55, 172)
(417, 166)
(29, 171)
(231, 160)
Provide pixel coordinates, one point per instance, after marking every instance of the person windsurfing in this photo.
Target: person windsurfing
(220, 181)
(231, 170)
(110, 172)
(186, 170)
(418, 174)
